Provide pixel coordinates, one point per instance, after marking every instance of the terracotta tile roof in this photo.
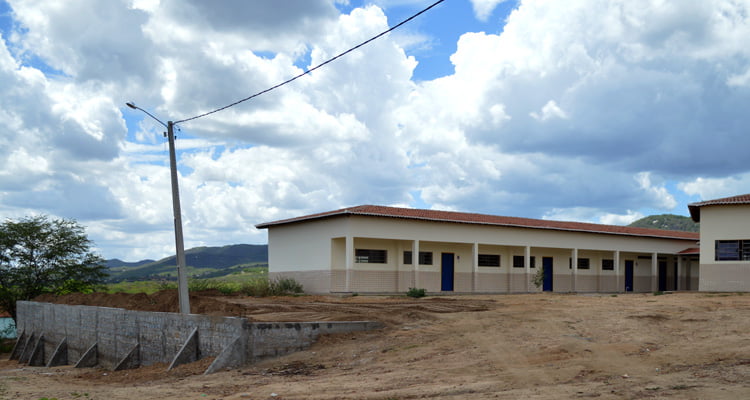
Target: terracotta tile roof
(691, 251)
(695, 208)
(483, 219)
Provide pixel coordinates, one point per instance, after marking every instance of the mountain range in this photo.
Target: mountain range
(201, 262)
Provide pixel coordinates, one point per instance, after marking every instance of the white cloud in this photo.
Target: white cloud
(550, 110)
(583, 110)
(483, 8)
(661, 197)
(620, 219)
(714, 188)
(592, 215)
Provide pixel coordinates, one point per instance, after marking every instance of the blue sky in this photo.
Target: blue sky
(589, 111)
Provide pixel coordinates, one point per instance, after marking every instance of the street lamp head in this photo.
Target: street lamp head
(131, 105)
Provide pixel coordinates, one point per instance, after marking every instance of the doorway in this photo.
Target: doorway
(547, 266)
(628, 275)
(662, 276)
(446, 272)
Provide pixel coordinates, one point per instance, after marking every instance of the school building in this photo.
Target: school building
(377, 249)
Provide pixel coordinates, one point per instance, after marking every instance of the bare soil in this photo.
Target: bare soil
(538, 346)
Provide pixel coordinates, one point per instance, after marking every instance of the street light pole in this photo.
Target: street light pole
(182, 284)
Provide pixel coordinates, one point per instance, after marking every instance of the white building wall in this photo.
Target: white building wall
(314, 252)
(303, 252)
(723, 222)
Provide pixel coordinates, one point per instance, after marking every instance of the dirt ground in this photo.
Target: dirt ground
(539, 346)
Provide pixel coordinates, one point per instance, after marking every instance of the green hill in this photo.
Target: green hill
(117, 263)
(203, 262)
(667, 221)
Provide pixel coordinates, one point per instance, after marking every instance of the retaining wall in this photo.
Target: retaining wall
(115, 338)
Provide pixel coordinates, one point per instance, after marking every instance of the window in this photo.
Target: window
(425, 257)
(518, 262)
(367, 256)
(489, 260)
(728, 250)
(583, 263)
(608, 265)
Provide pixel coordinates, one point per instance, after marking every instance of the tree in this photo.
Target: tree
(40, 255)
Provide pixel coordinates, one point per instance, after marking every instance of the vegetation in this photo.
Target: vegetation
(234, 278)
(416, 293)
(258, 286)
(538, 278)
(203, 262)
(667, 221)
(40, 255)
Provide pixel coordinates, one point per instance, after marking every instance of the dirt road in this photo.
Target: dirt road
(541, 346)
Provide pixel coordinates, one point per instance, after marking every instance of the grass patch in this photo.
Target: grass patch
(262, 287)
(251, 282)
(147, 287)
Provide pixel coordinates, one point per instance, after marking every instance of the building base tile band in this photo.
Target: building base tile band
(726, 277)
(313, 282)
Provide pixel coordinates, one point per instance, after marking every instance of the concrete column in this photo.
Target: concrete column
(618, 288)
(398, 261)
(510, 272)
(415, 261)
(474, 266)
(527, 266)
(349, 262)
(680, 285)
(654, 272)
(574, 269)
(598, 269)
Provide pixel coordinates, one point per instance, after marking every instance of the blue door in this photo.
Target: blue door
(629, 275)
(447, 272)
(547, 266)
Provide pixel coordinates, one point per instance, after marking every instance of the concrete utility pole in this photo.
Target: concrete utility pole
(182, 284)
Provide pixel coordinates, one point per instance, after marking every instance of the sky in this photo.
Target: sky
(582, 110)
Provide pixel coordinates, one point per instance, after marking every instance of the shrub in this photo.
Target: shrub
(284, 286)
(256, 287)
(262, 287)
(167, 285)
(416, 293)
(539, 278)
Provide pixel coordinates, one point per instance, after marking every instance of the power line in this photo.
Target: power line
(313, 68)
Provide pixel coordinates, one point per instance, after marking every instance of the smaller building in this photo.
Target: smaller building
(377, 249)
(724, 243)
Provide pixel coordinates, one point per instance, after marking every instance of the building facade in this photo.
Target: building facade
(376, 249)
(724, 243)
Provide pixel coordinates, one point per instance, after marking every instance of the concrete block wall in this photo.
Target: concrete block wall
(160, 336)
(278, 338)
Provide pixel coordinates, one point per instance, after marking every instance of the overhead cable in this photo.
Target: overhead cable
(313, 68)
